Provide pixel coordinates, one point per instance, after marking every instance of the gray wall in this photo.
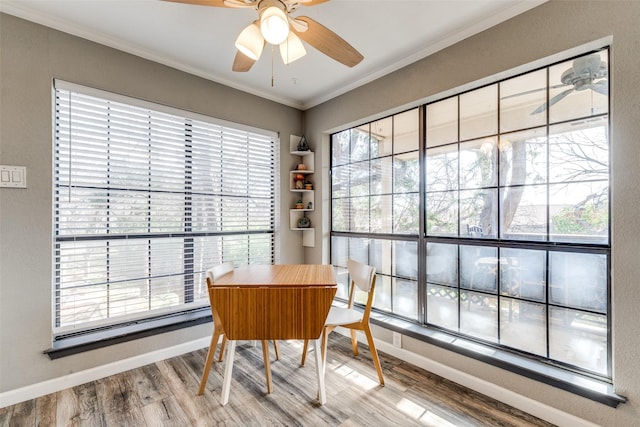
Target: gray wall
(543, 32)
(30, 57)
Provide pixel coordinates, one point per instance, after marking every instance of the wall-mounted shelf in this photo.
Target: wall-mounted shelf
(307, 160)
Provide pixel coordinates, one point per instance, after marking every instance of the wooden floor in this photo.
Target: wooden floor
(164, 394)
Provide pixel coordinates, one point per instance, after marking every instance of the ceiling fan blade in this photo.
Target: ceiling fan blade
(242, 63)
(328, 42)
(531, 91)
(216, 3)
(552, 101)
(601, 87)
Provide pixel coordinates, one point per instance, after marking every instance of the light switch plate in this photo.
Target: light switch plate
(13, 176)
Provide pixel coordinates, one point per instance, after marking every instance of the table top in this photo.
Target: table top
(281, 275)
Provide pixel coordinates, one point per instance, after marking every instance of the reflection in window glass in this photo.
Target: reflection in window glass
(359, 214)
(522, 273)
(579, 339)
(405, 255)
(442, 264)
(405, 298)
(442, 122)
(359, 179)
(382, 138)
(579, 151)
(523, 319)
(516, 213)
(360, 144)
(406, 173)
(479, 268)
(524, 212)
(478, 160)
(442, 168)
(442, 214)
(479, 113)
(340, 182)
(340, 143)
(578, 280)
(479, 315)
(406, 213)
(579, 212)
(519, 96)
(380, 175)
(405, 131)
(382, 295)
(578, 88)
(523, 157)
(381, 214)
(479, 213)
(380, 255)
(442, 306)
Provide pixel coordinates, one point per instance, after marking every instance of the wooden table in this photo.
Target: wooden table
(274, 302)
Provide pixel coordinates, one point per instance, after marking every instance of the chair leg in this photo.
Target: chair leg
(374, 353)
(322, 394)
(325, 339)
(304, 352)
(224, 343)
(276, 348)
(228, 369)
(209, 361)
(267, 364)
(354, 342)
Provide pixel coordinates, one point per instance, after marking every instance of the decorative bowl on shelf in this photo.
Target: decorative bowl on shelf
(304, 222)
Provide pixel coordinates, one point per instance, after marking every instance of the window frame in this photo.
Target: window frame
(189, 310)
(422, 329)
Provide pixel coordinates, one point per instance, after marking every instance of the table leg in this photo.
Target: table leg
(322, 395)
(228, 368)
(267, 364)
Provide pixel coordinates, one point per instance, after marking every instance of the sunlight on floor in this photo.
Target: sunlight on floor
(419, 413)
(362, 381)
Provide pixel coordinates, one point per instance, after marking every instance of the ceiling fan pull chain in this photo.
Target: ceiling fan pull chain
(272, 79)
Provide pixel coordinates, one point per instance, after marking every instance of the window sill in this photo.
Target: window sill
(75, 344)
(582, 385)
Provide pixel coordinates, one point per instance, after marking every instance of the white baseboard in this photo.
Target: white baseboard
(12, 397)
(526, 404)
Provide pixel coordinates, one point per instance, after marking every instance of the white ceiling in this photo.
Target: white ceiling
(200, 39)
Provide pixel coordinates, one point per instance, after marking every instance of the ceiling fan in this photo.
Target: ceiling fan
(276, 25)
(587, 72)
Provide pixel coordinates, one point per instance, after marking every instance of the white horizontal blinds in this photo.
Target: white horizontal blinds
(145, 201)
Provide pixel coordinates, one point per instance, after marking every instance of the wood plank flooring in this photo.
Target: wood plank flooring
(164, 394)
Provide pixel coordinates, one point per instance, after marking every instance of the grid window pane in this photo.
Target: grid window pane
(523, 157)
(520, 319)
(578, 88)
(442, 306)
(479, 113)
(442, 122)
(579, 339)
(522, 273)
(515, 249)
(478, 163)
(520, 96)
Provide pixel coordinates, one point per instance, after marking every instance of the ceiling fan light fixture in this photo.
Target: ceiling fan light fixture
(274, 24)
(250, 42)
(292, 48)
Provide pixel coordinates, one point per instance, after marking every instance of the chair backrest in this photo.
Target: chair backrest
(364, 277)
(215, 272)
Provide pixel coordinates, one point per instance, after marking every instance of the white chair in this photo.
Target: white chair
(213, 274)
(364, 278)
